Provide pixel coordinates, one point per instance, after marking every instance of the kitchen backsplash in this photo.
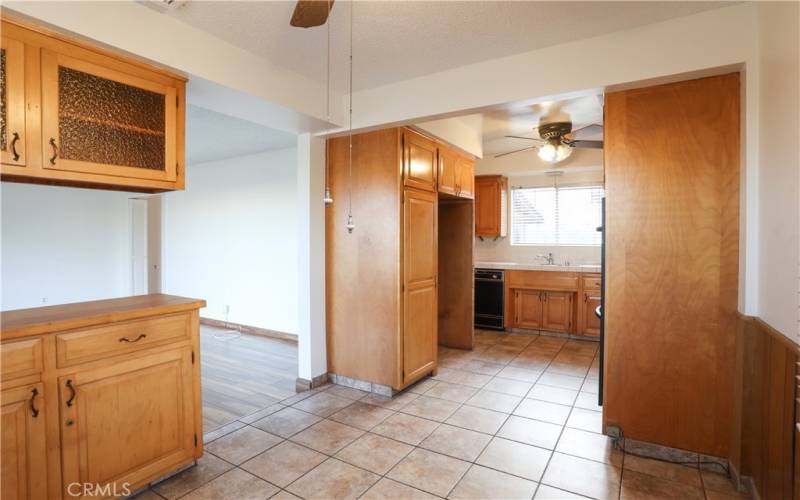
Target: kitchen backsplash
(502, 251)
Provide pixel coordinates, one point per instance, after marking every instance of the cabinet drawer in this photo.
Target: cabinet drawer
(21, 358)
(543, 280)
(120, 338)
(591, 282)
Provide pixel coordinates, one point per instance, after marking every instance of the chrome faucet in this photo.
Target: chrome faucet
(549, 258)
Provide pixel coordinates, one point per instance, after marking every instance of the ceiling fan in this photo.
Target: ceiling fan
(311, 13)
(557, 139)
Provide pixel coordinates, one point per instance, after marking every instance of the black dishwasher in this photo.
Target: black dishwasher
(489, 291)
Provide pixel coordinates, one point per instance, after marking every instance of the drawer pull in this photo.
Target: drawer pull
(72, 391)
(14, 151)
(55, 151)
(34, 410)
(137, 339)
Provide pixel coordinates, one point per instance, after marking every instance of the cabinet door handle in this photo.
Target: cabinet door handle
(72, 392)
(14, 147)
(34, 410)
(55, 151)
(137, 339)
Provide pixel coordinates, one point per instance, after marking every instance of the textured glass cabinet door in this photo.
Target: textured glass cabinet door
(12, 102)
(101, 121)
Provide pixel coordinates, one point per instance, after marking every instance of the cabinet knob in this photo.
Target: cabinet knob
(70, 422)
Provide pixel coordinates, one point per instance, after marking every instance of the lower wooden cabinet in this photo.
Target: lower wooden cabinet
(528, 308)
(588, 322)
(23, 453)
(557, 311)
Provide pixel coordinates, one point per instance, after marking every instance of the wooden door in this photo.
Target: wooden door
(448, 166)
(465, 178)
(23, 451)
(12, 82)
(490, 206)
(589, 322)
(528, 308)
(149, 399)
(419, 284)
(419, 161)
(102, 121)
(557, 311)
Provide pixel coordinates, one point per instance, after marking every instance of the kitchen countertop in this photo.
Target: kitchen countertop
(582, 268)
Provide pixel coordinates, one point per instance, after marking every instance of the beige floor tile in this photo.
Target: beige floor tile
(549, 493)
(242, 444)
(208, 467)
(530, 362)
(361, 415)
(589, 445)
(451, 392)
(346, 392)
(222, 431)
(431, 408)
(558, 380)
(237, 484)
(462, 377)
(327, 436)
(456, 442)
(269, 410)
(664, 470)
(494, 401)
(508, 386)
(585, 477)
(322, 404)
(515, 458)
(528, 431)
(586, 420)
(553, 394)
(286, 422)
(638, 486)
(392, 490)
(591, 385)
(429, 471)
(283, 463)
(544, 411)
(480, 483)
(421, 387)
(719, 483)
(498, 354)
(406, 428)
(482, 367)
(521, 374)
(147, 494)
(587, 401)
(333, 479)
(284, 495)
(477, 419)
(394, 403)
(375, 453)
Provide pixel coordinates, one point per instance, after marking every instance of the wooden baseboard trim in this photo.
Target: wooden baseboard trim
(253, 330)
(303, 384)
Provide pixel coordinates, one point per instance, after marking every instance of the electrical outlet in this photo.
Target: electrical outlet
(227, 309)
(44, 300)
(613, 432)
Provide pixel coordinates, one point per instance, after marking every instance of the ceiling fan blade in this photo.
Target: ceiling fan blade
(520, 137)
(310, 13)
(586, 131)
(587, 144)
(515, 151)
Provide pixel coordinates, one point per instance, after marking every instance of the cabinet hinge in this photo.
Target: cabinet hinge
(192, 357)
(195, 440)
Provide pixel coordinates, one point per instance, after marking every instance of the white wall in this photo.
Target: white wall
(779, 166)
(525, 169)
(464, 132)
(231, 239)
(62, 245)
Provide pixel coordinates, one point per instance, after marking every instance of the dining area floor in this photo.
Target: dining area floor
(516, 417)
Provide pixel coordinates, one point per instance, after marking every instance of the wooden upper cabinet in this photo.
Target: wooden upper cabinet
(79, 115)
(97, 120)
(12, 85)
(419, 161)
(465, 177)
(23, 453)
(448, 161)
(491, 206)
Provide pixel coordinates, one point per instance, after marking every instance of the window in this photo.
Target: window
(556, 215)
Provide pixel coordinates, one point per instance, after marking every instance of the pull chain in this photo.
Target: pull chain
(328, 199)
(350, 224)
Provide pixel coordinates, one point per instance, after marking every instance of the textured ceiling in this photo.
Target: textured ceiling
(523, 120)
(397, 40)
(213, 136)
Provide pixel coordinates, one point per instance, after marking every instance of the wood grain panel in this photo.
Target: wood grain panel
(456, 284)
(363, 286)
(672, 193)
(419, 161)
(491, 205)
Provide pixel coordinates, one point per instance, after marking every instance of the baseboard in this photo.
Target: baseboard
(362, 385)
(303, 384)
(546, 333)
(253, 330)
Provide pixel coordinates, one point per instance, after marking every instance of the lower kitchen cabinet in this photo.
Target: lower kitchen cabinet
(23, 452)
(557, 311)
(588, 322)
(528, 308)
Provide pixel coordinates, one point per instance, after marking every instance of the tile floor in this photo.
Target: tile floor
(517, 417)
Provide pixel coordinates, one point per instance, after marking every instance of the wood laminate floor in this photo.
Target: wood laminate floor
(242, 374)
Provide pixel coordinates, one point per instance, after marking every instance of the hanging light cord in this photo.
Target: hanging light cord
(350, 224)
(328, 199)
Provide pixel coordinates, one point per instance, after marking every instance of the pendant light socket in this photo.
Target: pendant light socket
(328, 198)
(350, 225)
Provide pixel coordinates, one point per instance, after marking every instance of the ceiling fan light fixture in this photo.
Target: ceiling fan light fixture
(554, 152)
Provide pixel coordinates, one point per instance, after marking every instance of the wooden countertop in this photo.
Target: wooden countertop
(39, 320)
